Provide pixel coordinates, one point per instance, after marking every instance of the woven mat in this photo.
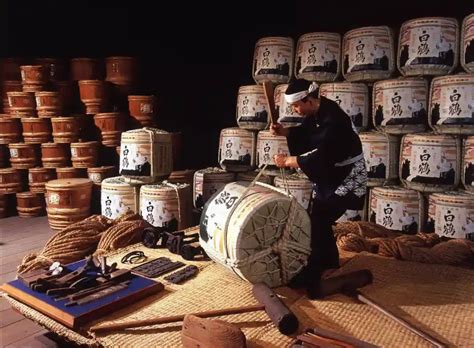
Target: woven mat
(440, 299)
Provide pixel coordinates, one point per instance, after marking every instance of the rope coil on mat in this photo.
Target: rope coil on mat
(422, 247)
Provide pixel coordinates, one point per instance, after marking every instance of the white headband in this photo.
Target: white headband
(291, 98)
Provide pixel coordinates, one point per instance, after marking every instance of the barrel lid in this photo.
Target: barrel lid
(34, 119)
(251, 89)
(344, 86)
(53, 145)
(215, 170)
(107, 114)
(20, 94)
(453, 195)
(85, 144)
(236, 130)
(73, 182)
(46, 94)
(31, 66)
(102, 169)
(145, 130)
(27, 194)
(163, 187)
(67, 169)
(116, 180)
(396, 190)
(8, 170)
(40, 170)
(141, 97)
(372, 136)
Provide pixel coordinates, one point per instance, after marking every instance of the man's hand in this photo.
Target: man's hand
(282, 161)
(278, 129)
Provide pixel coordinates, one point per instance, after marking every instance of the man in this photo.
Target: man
(329, 152)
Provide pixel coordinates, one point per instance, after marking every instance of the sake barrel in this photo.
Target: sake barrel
(381, 153)
(4, 156)
(10, 130)
(38, 177)
(55, 155)
(86, 69)
(452, 104)
(9, 86)
(430, 163)
(396, 208)
(273, 59)
(118, 197)
(318, 57)
(85, 154)
(207, 182)
(48, 104)
(10, 181)
(269, 145)
(467, 43)
(182, 177)
(55, 68)
(121, 70)
(146, 155)
(451, 214)
(368, 54)
(252, 107)
(22, 104)
(94, 95)
(400, 105)
(299, 187)
(33, 77)
(286, 116)
(65, 129)
(30, 204)
(237, 150)
(67, 201)
(166, 205)
(428, 46)
(36, 130)
(142, 108)
(250, 176)
(235, 232)
(71, 172)
(467, 175)
(98, 174)
(24, 156)
(353, 98)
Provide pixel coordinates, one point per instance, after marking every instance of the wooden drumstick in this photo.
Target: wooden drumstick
(268, 90)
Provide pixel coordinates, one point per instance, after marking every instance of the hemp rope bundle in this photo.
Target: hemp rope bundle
(422, 247)
(71, 244)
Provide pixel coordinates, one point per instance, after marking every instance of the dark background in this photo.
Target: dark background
(194, 55)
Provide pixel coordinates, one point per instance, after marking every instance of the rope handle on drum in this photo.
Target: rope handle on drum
(286, 186)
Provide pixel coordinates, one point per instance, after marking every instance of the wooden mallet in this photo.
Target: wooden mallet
(269, 96)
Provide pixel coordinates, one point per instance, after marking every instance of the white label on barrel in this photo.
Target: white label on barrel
(453, 222)
(269, 148)
(398, 103)
(14, 152)
(315, 53)
(73, 152)
(426, 41)
(394, 215)
(112, 205)
(376, 158)
(131, 158)
(252, 108)
(95, 177)
(456, 102)
(232, 148)
(53, 198)
(362, 51)
(38, 101)
(351, 215)
(157, 212)
(427, 161)
(273, 59)
(146, 108)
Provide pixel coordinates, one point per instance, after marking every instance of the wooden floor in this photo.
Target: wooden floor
(19, 237)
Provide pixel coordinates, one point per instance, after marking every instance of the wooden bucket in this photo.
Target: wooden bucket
(97, 174)
(33, 75)
(24, 156)
(65, 129)
(400, 105)
(467, 43)
(451, 215)
(119, 197)
(143, 108)
(48, 104)
(9, 86)
(234, 232)
(298, 186)
(397, 209)
(71, 172)
(286, 116)
(207, 182)
(22, 104)
(182, 177)
(85, 154)
(146, 155)
(368, 54)
(121, 70)
(353, 98)
(4, 156)
(38, 177)
(430, 163)
(30, 204)
(10, 130)
(269, 145)
(250, 176)
(36, 130)
(236, 150)
(111, 125)
(428, 46)
(252, 108)
(467, 175)
(318, 57)
(94, 95)
(55, 155)
(10, 181)
(381, 153)
(166, 205)
(273, 60)
(452, 104)
(67, 201)
(86, 69)
(55, 68)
